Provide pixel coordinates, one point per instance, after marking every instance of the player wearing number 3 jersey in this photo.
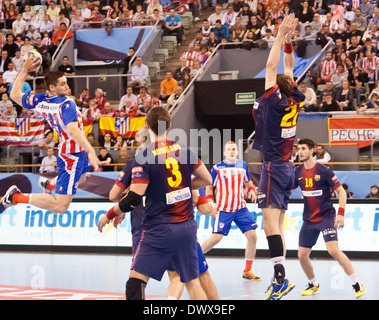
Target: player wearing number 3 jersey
(162, 172)
(275, 116)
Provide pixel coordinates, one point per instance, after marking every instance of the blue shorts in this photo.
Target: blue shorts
(203, 265)
(310, 231)
(275, 184)
(165, 243)
(242, 218)
(70, 166)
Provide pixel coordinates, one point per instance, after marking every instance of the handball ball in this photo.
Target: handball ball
(33, 54)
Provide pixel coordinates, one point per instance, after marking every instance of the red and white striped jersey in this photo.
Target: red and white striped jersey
(370, 64)
(229, 180)
(58, 112)
(190, 56)
(327, 67)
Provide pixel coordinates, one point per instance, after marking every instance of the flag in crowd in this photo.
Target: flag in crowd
(21, 131)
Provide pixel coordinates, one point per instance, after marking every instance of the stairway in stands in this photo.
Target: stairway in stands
(174, 60)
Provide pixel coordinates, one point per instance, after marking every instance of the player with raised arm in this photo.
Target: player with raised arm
(275, 116)
(319, 216)
(64, 117)
(230, 177)
(162, 172)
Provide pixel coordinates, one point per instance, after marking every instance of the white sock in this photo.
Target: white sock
(313, 281)
(354, 279)
(278, 260)
(171, 298)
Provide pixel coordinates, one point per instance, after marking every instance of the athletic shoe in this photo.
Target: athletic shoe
(42, 182)
(7, 200)
(276, 291)
(250, 275)
(359, 290)
(311, 290)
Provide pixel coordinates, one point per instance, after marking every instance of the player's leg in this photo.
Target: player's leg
(195, 290)
(308, 236)
(175, 288)
(135, 286)
(345, 263)
(208, 286)
(208, 244)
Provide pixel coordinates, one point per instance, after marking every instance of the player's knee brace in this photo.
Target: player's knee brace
(130, 201)
(135, 289)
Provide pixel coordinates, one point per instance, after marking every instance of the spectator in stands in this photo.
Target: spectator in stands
(316, 24)
(349, 194)
(128, 96)
(127, 60)
(99, 98)
(345, 96)
(369, 65)
(4, 102)
(217, 15)
(221, 31)
(329, 104)
(25, 113)
(310, 101)
(229, 18)
(238, 30)
(48, 162)
(33, 35)
(119, 142)
(338, 49)
(368, 46)
(186, 80)
(3, 86)
(53, 11)
(5, 60)
(10, 75)
(86, 13)
(18, 25)
(108, 111)
(46, 25)
(321, 155)
(105, 159)
(376, 90)
(60, 19)
(68, 70)
(43, 51)
(142, 96)
(374, 192)
(154, 5)
(144, 108)
(83, 100)
(372, 33)
(140, 74)
(60, 35)
(128, 109)
(91, 140)
(294, 156)
(10, 113)
(167, 86)
(190, 55)
(108, 142)
(356, 81)
(178, 73)
(371, 105)
(173, 26)
(359, 20)
(255, 26)
(213, 42)
(95, 16)
(367, 9)
(93, 112)
(196, 68)
(27, 46)
(10, 16)
(27, 15)
(67, 9)
(340, 75)
(354, 48)
(205, 30)
(44, 144)
(122, 159)
(305, 13)
(10, 46)
(174, 96)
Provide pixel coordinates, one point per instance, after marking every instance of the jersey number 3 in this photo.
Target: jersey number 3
(173, 165)
(290, 118)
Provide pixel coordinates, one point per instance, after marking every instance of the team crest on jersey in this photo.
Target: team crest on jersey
(317, 177)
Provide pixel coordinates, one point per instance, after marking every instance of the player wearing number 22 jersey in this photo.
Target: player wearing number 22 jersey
(166, 167)
(275, 118)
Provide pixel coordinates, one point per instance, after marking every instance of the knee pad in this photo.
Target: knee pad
(130, 201)
(275, 245)
(135, 289)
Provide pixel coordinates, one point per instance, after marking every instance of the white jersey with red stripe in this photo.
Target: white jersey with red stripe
(327, 67)
(58, 112)
(229, 180)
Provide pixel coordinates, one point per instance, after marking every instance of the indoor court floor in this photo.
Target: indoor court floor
(57, 276)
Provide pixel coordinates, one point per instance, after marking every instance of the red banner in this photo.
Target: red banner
(353, 130)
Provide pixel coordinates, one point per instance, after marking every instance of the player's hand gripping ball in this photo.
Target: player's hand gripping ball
(34, 54)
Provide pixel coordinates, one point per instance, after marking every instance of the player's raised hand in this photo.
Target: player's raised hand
(287, 25)
(288, 37)
(30, 65)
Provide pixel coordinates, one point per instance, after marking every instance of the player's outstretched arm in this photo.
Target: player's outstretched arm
(16, 92)
(288, 58)
(274, 56)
